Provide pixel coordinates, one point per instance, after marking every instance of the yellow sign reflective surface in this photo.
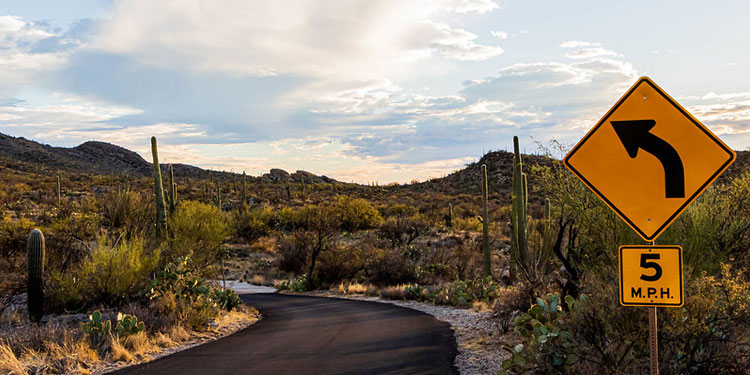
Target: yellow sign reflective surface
(648, 158)
(651, 275)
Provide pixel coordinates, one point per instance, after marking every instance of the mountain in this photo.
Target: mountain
(105, 158)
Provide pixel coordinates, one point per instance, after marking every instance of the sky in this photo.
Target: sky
(358, 90)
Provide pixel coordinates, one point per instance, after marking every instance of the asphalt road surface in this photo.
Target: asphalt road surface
(310, 335)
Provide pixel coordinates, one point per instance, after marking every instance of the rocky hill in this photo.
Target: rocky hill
(105, 158)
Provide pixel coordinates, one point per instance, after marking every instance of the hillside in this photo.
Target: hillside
(108, 159)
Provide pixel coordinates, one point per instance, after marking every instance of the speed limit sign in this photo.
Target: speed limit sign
(651, 275)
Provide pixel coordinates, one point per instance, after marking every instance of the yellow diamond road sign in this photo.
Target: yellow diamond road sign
(648, 158)
(651, 276)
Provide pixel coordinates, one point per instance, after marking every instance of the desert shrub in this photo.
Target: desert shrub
(181, 296)
(549, 344)
(510, 301)
(117, 273)
(341, 262)
(356, 214)
(128, 210)
(464, 293)
(67, 291)
(67, 240)
(293, 250)
(389, 267)
(403, 231)
(198, 228)
(252, 223)
(708, 335)
(298, 284)
(286, 219)
(716, 227)
(226, 299)
(13, 234)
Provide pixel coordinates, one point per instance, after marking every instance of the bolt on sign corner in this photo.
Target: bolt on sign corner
(648, 158)
(651, 275)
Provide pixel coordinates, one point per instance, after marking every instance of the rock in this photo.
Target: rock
(18, 299)
(279, 175)
(305, 176)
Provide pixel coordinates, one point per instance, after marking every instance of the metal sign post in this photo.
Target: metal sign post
(653, 338)
(653, 342)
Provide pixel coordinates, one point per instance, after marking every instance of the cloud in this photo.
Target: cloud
(499, 34)
(586, 53)
(22, 53)
(578, 44)
(299, 37)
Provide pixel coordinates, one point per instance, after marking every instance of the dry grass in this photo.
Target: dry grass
(164, 341)
(357, 288)
(393, 292)
(9, 363)
(140, 345)
(179, 334)
(257, 280)
(264, 245)
(240, 316)
(119, 351)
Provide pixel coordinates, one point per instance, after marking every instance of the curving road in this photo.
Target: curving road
(311, 335)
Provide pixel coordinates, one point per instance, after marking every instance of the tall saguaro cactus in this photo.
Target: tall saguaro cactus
(218, 194)
(244, 188)
(161, 210)
(485, 225)
(59, 197)
(449, 217)
(519, 242)
(172, 192)
(35, 255)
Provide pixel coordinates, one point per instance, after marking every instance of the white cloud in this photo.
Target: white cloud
(587, 53)
(20, 62)
(502, 35)
(578, 44)
(360, 39)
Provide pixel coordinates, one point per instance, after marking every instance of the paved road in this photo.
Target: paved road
(309, 335)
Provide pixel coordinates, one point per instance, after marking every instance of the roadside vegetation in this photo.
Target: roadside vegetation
(117, 290)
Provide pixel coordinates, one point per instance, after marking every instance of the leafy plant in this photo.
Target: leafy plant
(540, 325)
(96, 327)
(226, 299)
(299, 284)
(128, 325)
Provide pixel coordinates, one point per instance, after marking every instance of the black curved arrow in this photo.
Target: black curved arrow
(634, 135)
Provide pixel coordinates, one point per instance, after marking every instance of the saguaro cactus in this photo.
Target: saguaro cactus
(485, 226)
(519, 242)
(244, 188)
(449, 217)
(172, 193)
(161, 210)
(59, 196)
(288, 192)
(218, 194)
(35, 255)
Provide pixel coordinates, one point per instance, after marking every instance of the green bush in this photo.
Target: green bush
(299, 284)
(127, 210)
(253, 223)
(356, 214)
(118, 273)
(226, 299)
(201, 229)
(13, 235)
(464, 293)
